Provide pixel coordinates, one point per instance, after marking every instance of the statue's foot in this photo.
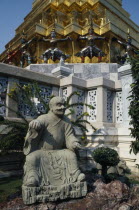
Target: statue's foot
(32, 181)
(81, 177)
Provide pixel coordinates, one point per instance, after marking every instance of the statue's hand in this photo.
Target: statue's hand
(76, 145)
(35, 124)
(69, 38)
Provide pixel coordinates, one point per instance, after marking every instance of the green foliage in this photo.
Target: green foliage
(26, 94)
(9, 186)
(94, 171)
(112, 177)
(134, 179)
(14, 139)
(134, 105)
(1, 118)
(79, 122)
(105, 157)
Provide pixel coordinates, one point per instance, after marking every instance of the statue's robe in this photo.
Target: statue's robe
(50, 152)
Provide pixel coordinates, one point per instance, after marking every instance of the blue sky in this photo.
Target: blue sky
(12, 13)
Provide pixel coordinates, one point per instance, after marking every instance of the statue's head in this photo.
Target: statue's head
(53, 34)
(57, 106)
(129, 40)
(91, 31)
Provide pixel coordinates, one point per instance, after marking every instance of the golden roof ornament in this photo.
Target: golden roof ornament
(74, 18)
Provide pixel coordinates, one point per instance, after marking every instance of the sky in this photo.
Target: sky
(12, 13)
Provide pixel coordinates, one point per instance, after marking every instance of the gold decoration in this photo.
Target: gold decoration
(72, 18)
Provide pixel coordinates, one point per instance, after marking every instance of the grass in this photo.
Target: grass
(9, 186)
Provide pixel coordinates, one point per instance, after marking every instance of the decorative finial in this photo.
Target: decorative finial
(128, 31)
(129, 39)
(53, 32)
(91, 29)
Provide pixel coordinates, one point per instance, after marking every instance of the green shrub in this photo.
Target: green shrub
(134, 105)
(105, 157)
(112, 177)
(14, 138)
(94, 170)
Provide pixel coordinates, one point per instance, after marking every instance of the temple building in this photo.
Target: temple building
(69, 31)
(72, 18)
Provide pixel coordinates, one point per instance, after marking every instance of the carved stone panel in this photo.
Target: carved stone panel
(110, 98)
(126, 82)
(80, 99)
(3, 91)
(119, 107)
(65, 93)
(28, 111)
(92, 100)
(46, 92)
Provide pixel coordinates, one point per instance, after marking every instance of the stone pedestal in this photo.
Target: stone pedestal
(53, 193)
(84, 71)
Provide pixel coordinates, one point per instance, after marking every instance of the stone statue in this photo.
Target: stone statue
(129, 50)
(22, 50)
(25, 54)
(51, 170)
(25, 57)
(10, 55)
(54, 53)
(91, 50)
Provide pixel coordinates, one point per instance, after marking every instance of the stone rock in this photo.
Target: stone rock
(112, 196)
(100, 196)
(134, 197)
(124, 207)
(18, 204)
(115, 189)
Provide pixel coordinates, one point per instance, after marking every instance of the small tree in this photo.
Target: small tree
(134, 105)
(105, 157)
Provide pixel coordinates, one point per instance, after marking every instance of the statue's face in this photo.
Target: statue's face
(58, 107)
(91, 32)
(53, 34)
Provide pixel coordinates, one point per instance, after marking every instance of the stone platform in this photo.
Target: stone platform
(81, 70)
(53, 193)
